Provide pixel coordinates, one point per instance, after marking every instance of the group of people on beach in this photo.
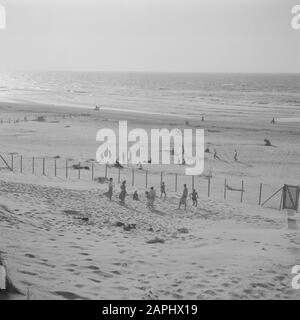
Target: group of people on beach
(151, 195)
(235, 155)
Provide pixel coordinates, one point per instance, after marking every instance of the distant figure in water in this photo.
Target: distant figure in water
(216, 157)
(273, 121)
(150, 161)
(136, 196)
(203, 119)
(163, 190)
(235, 156)
(183, 199)
(194, 196)
(109, 193)
(123, 192)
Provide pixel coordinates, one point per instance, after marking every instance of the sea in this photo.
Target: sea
(181, 94)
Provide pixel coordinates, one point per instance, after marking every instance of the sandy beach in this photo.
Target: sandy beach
(63, 239)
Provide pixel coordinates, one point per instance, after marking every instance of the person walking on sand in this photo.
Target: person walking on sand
(123, 192)
(163, 190)
(183, 199)
(151, 198)
(273, 121)
(194, 196)
(216, 157)
(235, 156)
(109, 193)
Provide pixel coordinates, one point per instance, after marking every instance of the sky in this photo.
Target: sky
(150, 35)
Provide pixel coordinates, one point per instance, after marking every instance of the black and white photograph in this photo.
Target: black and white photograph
(149, 150)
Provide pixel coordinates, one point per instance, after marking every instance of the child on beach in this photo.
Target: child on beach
(136, 196)
(163, 190)
(123, 192)
(109, 193)
(183, 199)
(194, 196)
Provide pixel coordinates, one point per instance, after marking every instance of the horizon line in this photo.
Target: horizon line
(147, 71)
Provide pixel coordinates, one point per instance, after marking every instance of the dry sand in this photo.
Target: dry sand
(61, 238)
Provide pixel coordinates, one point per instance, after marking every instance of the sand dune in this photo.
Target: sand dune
(64, 243)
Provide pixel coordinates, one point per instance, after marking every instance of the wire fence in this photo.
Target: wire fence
(233, 189)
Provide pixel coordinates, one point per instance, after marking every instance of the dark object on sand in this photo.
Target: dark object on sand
(119, 224)
(77, 167)
(156, 240)
(101, 180)
(40, 119)
(118, 165)
(129, 227)
(183, 230)
(207, 150)
(268, 143)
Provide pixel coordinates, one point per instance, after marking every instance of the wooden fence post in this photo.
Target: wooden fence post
(105, 171)
(161, 178)
(43, 166)
(260, 194)
(33, 165)
(146, 179)
(66, 169)
(55, 168)
(242, 192)
(12, 162)
(132, 177)
(176, 180)
(21, 164)
(119, 175)
(193, 182)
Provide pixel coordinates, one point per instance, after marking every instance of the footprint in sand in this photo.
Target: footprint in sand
(28, 273)
(83, 253)
(94, 280)
(93, 268)
(69, 295)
